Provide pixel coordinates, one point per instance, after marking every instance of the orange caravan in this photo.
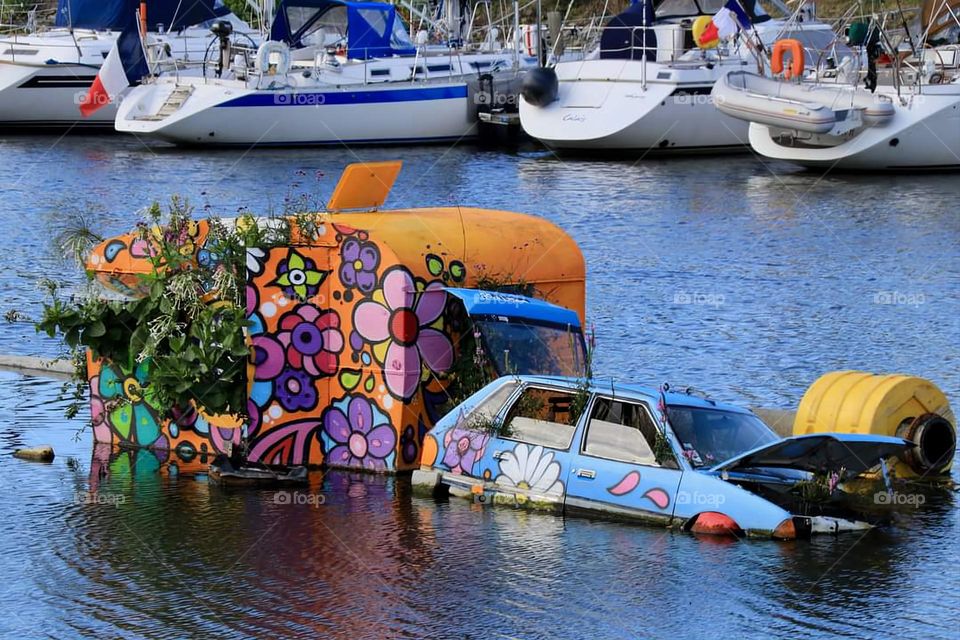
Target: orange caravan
(357, 332)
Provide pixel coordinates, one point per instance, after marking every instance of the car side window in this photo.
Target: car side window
(623, 431)
(541, 416)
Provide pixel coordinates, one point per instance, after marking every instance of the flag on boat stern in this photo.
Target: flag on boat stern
(725, 22)
(123, 67)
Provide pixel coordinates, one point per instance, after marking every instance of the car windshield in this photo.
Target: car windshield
(526, 348)
(710, 436)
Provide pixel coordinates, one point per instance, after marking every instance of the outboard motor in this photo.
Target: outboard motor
(223, 29)
(540, 86)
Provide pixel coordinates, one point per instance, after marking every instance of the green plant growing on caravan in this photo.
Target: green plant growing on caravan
(189, 324)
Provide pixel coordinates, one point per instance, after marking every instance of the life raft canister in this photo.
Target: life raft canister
(795, 49)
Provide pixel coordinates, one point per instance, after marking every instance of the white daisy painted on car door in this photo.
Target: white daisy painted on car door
(530, 469)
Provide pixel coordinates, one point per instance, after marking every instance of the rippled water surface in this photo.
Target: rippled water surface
(744, 279)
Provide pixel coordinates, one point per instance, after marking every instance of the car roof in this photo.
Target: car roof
(638, 392)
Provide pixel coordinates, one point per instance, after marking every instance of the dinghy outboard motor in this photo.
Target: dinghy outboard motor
(223, 29)
(540, 86)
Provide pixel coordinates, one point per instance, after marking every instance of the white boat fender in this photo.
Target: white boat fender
(273, 58)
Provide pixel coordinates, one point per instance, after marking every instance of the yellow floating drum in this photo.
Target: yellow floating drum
(892, 405)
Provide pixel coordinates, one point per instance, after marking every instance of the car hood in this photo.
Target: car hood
(820, 452)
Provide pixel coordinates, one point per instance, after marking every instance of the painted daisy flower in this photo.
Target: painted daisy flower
(530, 469)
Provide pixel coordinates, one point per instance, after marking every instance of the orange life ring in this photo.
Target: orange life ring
(780, 47)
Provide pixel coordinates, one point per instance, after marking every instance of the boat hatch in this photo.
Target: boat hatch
(364, 185)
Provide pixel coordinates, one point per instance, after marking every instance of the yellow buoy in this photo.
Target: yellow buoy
(699, 26)
(890, 405)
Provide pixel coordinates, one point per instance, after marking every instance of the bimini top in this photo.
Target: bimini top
(368, 29)
(478, 302)
(118, 14)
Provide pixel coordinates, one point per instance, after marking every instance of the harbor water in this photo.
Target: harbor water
(743, 278)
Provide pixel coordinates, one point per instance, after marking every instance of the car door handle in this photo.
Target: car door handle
(587, 473)
(498, 455)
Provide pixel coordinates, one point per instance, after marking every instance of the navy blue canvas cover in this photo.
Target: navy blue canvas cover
(117, 14)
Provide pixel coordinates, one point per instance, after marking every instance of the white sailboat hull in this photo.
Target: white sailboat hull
(923, 133)
(216, 115)
(607, 105)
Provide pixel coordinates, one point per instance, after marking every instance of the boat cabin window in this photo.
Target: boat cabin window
(400, 39)
(623, 431)
(541, 416)
(686, 8)
(710, 436)
(328, 29)
(376, 20)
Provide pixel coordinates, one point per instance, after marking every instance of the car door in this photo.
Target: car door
(621, 465)
(530, 456)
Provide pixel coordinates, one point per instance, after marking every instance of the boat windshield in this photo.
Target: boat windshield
(521, 347)
(710, 436)
(400, 39)
(819, 44)
(677, 8)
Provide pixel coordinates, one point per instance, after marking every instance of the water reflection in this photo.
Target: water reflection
(793, 263)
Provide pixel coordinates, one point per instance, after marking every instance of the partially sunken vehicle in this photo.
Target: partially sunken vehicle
(674, 459)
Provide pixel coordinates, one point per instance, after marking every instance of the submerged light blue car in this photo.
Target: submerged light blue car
(538, 437)
(560, 443)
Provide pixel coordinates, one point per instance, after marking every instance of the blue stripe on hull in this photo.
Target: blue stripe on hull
(295, 99)
(316, 143)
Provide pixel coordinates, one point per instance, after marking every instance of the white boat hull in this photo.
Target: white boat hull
(593, 112)
(48, 96)
(215, 115)
(924, 133)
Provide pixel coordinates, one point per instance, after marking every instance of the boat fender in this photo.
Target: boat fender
(273, 58)
(540, 86)
(795, 49)
(699, 26)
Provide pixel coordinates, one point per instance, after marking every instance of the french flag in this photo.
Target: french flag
(124, 66)
(725, 22)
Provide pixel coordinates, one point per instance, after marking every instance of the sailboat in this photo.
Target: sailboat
(333, 72)
(44, 74)
(646, 85)
(899, 111)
